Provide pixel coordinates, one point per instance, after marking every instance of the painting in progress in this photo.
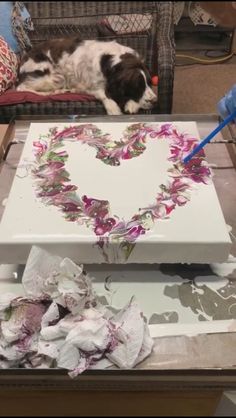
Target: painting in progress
(114, 193)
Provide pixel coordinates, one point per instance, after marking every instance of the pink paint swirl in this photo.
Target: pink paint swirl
(52, 181)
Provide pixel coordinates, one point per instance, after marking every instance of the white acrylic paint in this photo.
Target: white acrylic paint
(135, 183)
(224, 269)
(204, 327)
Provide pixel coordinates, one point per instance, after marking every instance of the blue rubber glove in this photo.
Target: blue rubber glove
(227, 104)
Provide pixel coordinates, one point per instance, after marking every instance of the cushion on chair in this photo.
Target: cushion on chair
(11, 97)
(8, 66)
(15, 23)
(127, 24)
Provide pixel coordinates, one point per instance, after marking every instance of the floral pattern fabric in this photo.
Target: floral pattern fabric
(8, 66)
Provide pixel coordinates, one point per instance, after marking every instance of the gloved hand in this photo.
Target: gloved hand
(227, 104)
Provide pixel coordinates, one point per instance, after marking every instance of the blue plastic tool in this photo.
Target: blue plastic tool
(205, 141)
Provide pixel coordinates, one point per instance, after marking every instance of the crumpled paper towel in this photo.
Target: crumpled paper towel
(60, 323)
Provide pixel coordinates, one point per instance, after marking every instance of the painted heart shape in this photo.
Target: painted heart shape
(53, 184)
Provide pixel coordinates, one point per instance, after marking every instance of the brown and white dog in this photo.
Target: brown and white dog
(113, 73)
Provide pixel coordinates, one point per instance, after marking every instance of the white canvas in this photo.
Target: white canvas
(193, 232)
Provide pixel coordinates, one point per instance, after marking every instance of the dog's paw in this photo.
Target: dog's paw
(20, 87)
(131, 107)
(112, 107)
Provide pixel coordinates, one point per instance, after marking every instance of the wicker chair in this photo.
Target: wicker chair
(152, 36)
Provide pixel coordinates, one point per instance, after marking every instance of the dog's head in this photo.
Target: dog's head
(128, 82)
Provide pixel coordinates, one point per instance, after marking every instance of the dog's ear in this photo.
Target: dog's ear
(106, 64)
(115, 89)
